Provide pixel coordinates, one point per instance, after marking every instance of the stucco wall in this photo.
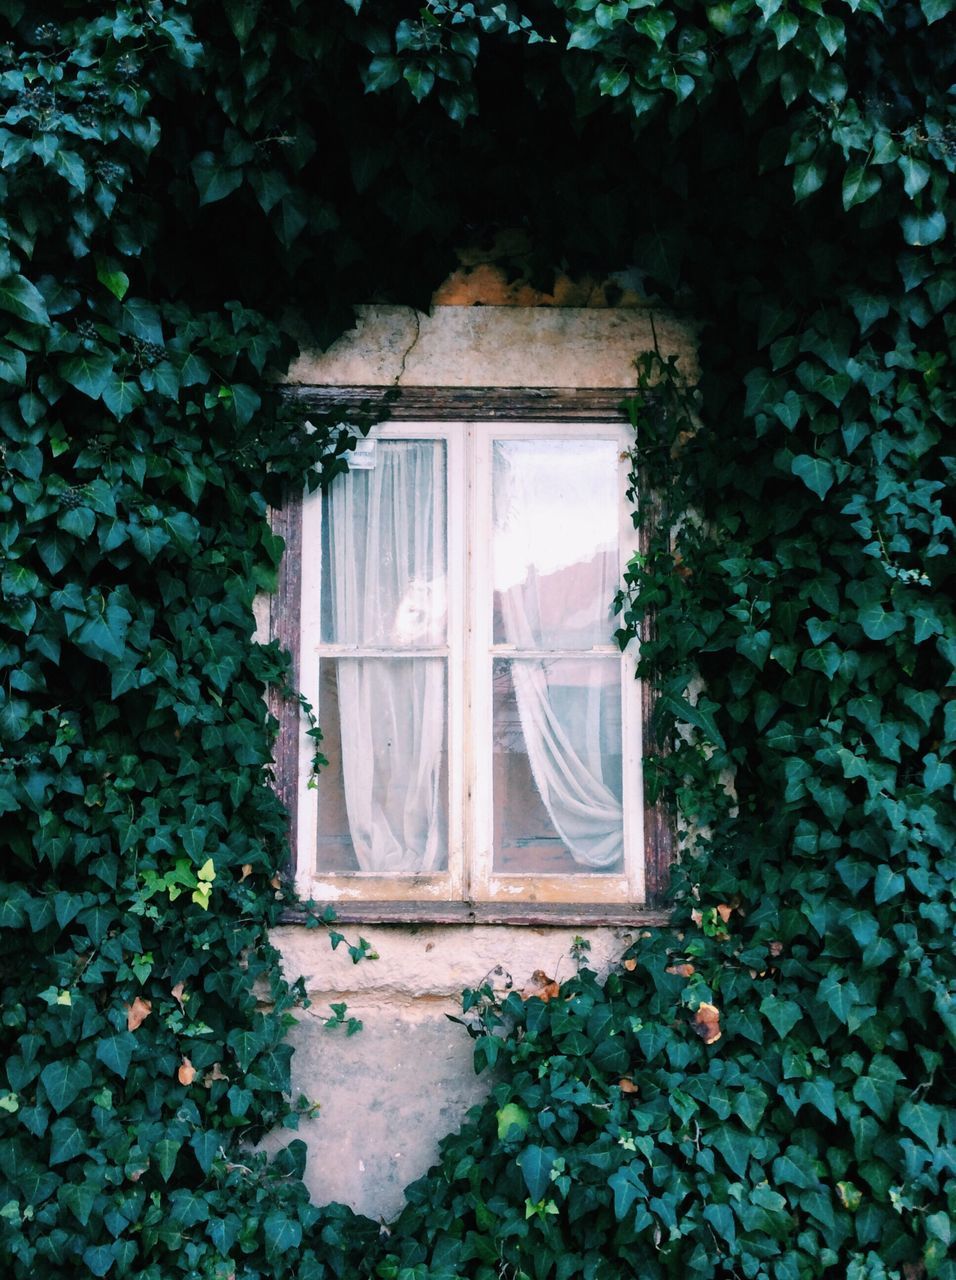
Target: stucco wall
(388, 1094)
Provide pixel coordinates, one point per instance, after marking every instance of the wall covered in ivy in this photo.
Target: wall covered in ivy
(766, 1089)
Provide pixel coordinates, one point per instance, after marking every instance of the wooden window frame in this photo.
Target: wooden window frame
(444, 405)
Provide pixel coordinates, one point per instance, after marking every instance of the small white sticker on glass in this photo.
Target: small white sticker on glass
(362, 457)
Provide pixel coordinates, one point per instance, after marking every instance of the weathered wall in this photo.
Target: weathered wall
(389, 1093)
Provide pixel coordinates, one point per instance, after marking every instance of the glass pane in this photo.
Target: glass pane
(556, 510)
(383, 797)
(557, 766)
(383, 552)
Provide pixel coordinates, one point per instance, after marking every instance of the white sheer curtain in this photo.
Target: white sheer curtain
(567, 707)
(386, 559)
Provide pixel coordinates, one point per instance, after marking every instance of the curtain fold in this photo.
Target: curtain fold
(386, 560)
(567, 707)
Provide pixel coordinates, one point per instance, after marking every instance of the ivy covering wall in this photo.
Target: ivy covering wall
(764, 1090)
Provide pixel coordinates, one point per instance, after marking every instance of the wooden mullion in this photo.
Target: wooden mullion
(285, 627)
(660, 842)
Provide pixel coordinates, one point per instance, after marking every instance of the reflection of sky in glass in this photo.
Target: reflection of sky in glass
(556, 504)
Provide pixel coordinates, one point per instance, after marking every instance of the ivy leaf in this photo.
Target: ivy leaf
(879, 623)
(923, 1120)
(861, 183)
(816, 473)
(783, 1015)
(282, 1233)
(214, 178)
(808, 177)
(420, 79)
(916, 174)
(840, 997)
(13, 366)
(536, 1164)
(165, 1153)
(99, 1258)
(64, 1080)
(67, 1140)
(88, 372)
(23, 299)
(934, 10)
(116, 1052)
(109, 275)
(513, 1121)
(122, 395)
(936, 773)
(923, 228)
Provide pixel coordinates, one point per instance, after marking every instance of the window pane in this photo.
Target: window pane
(556, 510)
(383, 555)
(383, 797)
(557, 766)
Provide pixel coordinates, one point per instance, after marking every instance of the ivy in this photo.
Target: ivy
(763, 1090)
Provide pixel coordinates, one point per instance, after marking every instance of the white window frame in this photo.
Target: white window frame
(470, 653)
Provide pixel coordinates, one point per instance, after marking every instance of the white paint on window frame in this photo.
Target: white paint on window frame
(470, 874)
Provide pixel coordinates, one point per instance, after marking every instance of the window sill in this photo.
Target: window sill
(532, 914)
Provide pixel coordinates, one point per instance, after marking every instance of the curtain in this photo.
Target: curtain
(386, 564)
(568, 707)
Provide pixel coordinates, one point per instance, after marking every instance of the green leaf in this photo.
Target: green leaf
(165, 1153)
(67, 1140)
(382, 73)
(783, 1015)
(282, 1234)
(87, 372)
(916, 174)
(122, 395)
(923, 1120)
(808, 178)
(23, 299)
(116, 1052)
(839, 996)
(513, 1121)
(99, 1258)
(820, 1094)
(112, 278)
(55, 548)
(242, 15)
(214, 178)
(923, 228)
(64, 1080)
(936, 773)
(879, 623)
(536, 1164)
(935, 10)
(816, 473)
(13, 366)
(419, 79)
(860, 183)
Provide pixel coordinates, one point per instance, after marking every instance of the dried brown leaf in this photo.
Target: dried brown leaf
(541, 986)
(214, 1073)
(137, 1012)
(707, 1023)
(186, 1073)
(723, 910)
(630, 965)
(682, 970)
(178, 992)
(246, 870)
(627, 1085)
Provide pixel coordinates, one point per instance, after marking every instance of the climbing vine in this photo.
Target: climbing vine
(764, 1089)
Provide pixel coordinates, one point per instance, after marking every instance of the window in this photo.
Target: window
(455, 632)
